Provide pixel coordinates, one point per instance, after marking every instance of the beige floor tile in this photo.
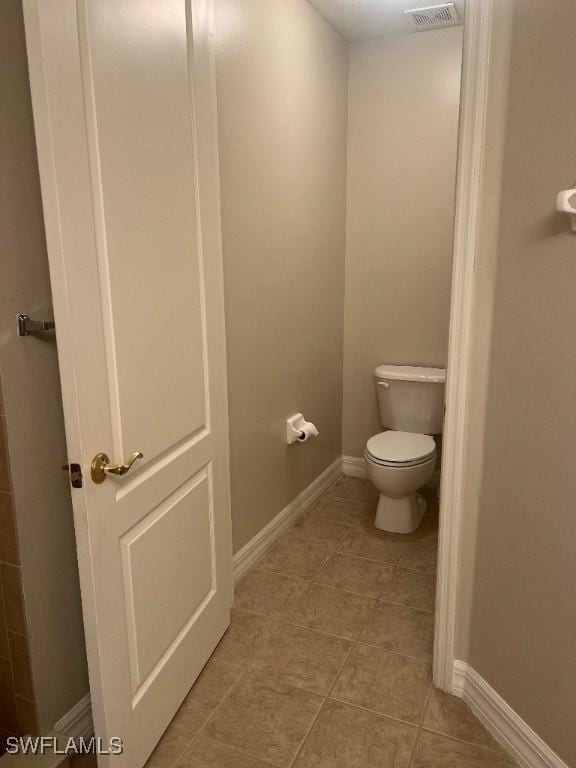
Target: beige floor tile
(171, 746)
(319, 529)
(384, 682)
(297, 555)
(211, 687)
(416, 589)
(355, 574)
(450, 716)
(333, 611)
(374, 545)
(208, 754)
(344, 512)
(428, 528)
(302, 658)
(420, 556)
(264, 718)
(246, 634)
(355, 489)
(345, 737)
(438, 752)
(401, 629)
(268, 593)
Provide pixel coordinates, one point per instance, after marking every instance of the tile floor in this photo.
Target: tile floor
(327, 662)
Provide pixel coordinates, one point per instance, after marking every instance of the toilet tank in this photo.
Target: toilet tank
(411, 399)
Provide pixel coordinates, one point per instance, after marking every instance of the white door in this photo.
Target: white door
(124, 106)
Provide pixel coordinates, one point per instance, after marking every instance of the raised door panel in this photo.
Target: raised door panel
(146, 192)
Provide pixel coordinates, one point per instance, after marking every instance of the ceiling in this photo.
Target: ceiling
(362, 19)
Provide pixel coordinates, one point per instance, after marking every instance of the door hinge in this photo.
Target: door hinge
(75, 474)
(27, 326)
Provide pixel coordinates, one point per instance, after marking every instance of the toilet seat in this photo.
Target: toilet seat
(400, 449)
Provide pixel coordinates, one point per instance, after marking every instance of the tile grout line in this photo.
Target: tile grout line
(357, 642)
(463, 741)
(419, 659)
(380, 715)
(420, 724)
(253, 756)
(243, 675)
(250, 668)
(358, 527)
(316, 573)
(313, 580)
(331, 688)
(205, 723)
(335, 681)
(286, 618)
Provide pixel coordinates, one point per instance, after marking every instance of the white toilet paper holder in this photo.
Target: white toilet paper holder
(298, 430)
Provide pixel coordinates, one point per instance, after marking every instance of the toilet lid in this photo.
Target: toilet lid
(401, 447)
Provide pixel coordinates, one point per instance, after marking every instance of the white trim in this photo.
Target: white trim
(507, 727)
(257, 547)
(352, 466)
(78, 721)
(476, 66)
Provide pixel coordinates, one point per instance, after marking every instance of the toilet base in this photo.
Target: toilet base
(400, 515)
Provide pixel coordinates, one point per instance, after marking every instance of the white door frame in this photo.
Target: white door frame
(480, 83)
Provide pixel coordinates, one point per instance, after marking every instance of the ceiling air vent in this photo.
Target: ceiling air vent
(433, 17)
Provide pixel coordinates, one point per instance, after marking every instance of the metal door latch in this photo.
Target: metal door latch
(75, 474)
(27, 326)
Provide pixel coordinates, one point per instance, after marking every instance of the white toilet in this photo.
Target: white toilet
(402, 460)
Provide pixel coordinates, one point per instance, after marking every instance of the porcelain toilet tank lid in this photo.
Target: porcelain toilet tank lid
(401, 447)
(411, 373)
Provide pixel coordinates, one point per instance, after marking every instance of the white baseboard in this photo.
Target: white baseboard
(78, 721)
(265, 539)
(353, 466)
(507, 727)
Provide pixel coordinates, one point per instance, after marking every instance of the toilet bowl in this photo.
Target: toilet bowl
(398, 464)
(402, 459)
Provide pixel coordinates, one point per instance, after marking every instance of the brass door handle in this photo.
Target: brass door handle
(101, 466)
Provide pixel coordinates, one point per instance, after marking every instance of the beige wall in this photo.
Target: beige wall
(522, 631)
(282, 79)
(33, 404)
(403, 124)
